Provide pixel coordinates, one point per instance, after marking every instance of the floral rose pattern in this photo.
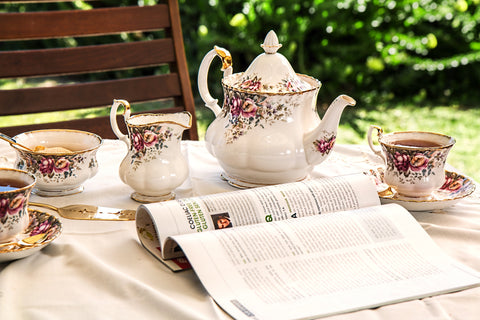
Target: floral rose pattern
(254, 83)
(455, 183)
(455, 186)
(251, 84)
(147, 142)
(411, 166)
(54, 168)
(11, 208)
(325, 145)
(246, 111)
(248, 108)
(46, 165)
(39, 222)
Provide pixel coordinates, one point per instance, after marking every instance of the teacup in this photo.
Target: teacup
(15, 189)
(415, 160)
(61, 160)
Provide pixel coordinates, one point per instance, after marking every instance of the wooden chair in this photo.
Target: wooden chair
(144, 60)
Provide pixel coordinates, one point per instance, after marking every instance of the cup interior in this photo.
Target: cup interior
(417, 140)
(183, 119)
(73, 140)
(13, 180)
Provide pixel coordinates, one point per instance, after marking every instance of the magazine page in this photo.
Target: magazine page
(322, 265)
(156, 221)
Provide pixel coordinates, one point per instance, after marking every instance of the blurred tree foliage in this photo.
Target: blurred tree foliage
(421, 51)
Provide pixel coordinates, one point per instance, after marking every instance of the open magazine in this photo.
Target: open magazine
(273, 253)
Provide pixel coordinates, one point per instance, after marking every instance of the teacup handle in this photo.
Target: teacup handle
(374, 148)
(113, 118)
(227, 69)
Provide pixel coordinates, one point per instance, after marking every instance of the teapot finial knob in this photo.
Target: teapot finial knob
(270, 44)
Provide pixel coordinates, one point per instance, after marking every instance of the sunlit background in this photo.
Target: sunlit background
(411, 65)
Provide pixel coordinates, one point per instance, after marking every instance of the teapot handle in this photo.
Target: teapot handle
(375, 149)
(227, 69)
(113, 118)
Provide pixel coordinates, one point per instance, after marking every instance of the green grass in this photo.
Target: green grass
(462, 124)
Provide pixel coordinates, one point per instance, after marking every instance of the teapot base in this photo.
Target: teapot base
(247, 185)
(150, 199)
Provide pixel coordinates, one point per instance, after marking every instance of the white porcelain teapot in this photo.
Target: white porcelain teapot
(268, 130)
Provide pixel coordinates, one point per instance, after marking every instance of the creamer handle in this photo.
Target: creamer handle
(227, 69)
(375, 149)
(113, 118)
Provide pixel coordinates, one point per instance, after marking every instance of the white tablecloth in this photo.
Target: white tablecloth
(99, 270)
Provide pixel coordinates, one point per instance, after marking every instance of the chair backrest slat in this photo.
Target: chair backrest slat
(80, 59)
(66, 97)
(86, 59)
(54, 24)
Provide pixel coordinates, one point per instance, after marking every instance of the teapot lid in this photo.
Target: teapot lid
(270, 72)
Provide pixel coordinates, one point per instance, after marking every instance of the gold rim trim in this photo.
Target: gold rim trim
(317, 86)
(225, 56)
(31, 185)
(96, 136)
(160, 122)
(451, 142)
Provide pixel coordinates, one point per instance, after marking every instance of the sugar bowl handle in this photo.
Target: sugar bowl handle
(113, 118)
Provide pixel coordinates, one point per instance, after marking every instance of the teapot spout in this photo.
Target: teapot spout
(319, 142)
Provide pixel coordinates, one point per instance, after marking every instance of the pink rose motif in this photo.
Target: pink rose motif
(150, 138)
(324, 146)
(43, 227)
(3, 207)
(46, 165)
(137, 141)
(401, 161)
(447, 182)
(454, 186)
(249, 108)
(451, 184)
(253, 85)
(235, 106)
(418, 162)
(16, 204)
(61, 165)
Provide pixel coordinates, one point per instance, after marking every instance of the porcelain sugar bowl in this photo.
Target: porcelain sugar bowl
(268, 130)
(61, 159)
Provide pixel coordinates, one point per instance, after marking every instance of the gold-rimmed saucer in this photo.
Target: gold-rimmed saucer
(455, 188)
(40, 222)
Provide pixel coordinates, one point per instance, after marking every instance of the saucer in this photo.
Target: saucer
(40, 222)
(455, 188)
